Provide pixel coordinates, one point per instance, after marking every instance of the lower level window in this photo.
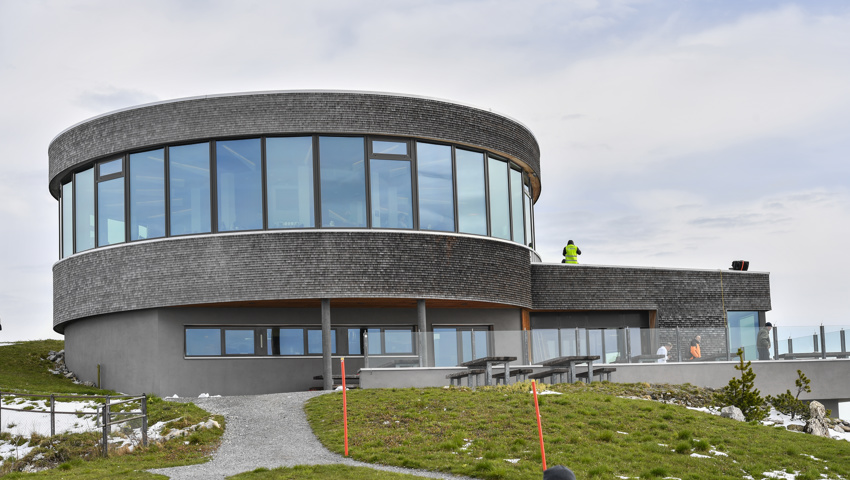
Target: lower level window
(239, 342)
(203, 342)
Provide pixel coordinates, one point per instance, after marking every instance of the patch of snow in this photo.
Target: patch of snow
(623, 433)
(812, 457)
(547, 392)
(697, 455)
(781, 474)
(512, 460)
(718, 453)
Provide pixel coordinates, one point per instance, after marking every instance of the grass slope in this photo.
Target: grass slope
(23, 369)
(588, 428)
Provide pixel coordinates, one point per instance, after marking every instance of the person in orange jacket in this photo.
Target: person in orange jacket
(695, 352)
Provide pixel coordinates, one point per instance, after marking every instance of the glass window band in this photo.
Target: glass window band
(309, 181)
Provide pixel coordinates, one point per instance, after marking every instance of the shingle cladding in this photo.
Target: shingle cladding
(684, 298)
(290, 265)
(272, 113)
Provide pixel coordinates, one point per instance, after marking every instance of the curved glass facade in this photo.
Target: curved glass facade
(315, 181)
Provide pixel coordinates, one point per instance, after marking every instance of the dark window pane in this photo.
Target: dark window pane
(67, 219)
(239, 185)
(84, 204)
(289, 171)
(527, 208)
(392, 203)
(517, 223)
(500, 219)
(110, 212)
(343, 181)
(189, 179)
(375, 340)
(354, 341)
(203, 341)
(314, 342)
(393, 148)
(434, 174)
(471, 206)
(147, 195)
(239, 342)
(109, 168)
(292, 341)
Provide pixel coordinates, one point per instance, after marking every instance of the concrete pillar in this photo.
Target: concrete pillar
(423, 329)
(327, 370)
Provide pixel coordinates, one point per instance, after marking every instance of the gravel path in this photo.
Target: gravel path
(267, 431)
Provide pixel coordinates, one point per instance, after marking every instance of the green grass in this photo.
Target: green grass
(76, 456)
(588, 428)
(25, 367)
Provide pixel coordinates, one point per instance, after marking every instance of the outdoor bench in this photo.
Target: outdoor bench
(468, 375)
(549, 373)
(599, 372)
(514, 372)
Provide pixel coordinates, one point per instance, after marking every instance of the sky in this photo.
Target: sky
(683, 134)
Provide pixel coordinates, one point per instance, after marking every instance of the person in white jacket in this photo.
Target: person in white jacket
(664, 350)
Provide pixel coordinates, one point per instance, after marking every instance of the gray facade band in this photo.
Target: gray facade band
(286, 265)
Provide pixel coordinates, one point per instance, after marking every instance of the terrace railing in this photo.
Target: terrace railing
(450, 347)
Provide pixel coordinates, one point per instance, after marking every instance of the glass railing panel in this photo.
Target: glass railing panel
(836, 339)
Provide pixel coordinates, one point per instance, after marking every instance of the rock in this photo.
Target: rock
(794, 427)
(844, 428)
(732, 412)
(816, 424)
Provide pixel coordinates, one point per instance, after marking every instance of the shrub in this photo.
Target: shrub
(742, 393)
(790, 404)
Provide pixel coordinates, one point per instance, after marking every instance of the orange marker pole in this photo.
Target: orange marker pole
(345, 406)
(539, 426)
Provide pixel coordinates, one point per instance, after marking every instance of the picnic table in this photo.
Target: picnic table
(487, 363)
(570, 362)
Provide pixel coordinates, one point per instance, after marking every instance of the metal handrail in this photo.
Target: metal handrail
(101, 412)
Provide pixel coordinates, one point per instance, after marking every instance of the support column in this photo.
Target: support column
(327, 370)
(423, 329)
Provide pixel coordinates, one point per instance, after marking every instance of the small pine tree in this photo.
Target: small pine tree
(742, 393)
(791, 404)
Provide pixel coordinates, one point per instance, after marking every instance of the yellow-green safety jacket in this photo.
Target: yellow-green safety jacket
(570, 255)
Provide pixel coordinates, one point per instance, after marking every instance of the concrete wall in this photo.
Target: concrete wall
(828, 377)
(143, 351)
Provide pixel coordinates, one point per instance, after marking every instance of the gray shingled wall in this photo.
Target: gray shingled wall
(682, 298)
(289, 113)
(290, 265)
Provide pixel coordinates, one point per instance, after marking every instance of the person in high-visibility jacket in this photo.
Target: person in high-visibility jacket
(571, 253)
